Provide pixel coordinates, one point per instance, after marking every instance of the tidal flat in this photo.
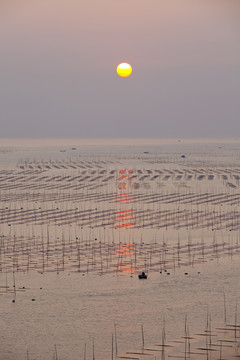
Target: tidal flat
(79, 220)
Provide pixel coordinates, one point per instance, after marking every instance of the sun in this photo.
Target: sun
(124, 69)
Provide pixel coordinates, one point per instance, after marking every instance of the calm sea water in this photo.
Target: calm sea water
(72, 311)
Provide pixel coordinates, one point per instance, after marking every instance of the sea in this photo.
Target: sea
(81, 219)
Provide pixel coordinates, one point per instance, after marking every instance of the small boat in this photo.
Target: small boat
(142, 275)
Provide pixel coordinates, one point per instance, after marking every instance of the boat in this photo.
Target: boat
(142, 275)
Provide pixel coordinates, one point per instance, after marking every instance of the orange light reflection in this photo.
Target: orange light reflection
(127, 270)
(125, 194)
(124, 215)
(124, 250)
(123, 225)
(122, 177)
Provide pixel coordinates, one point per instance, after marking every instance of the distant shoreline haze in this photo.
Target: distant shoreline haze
(36, 142)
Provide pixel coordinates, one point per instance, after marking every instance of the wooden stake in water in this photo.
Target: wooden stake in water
(178, 251)
(116, 343)
(163, 340)
(220, 355)
(112, 346)
(93, 350)
(14, 286)
(185, 335)
(235, 327)
(85, 351)
(56, 355)
(210, 330)
(142, 336)
(189, 345)
(207, 327)
(203, 252)
(225, 309)
(6, 283)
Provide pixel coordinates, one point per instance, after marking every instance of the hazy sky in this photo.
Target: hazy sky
(58, 63)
